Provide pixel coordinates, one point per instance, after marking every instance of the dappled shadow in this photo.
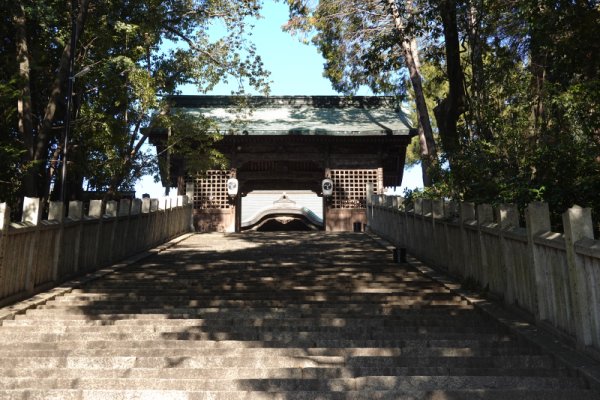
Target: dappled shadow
(291, 311)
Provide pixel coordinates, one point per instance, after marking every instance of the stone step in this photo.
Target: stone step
(266, 322)
(212, 314)
(490, 351)
(278, 373)
(278, 361)
(250, 331)
(404, 383)
(481, 394)
(249, 303)
(277, 336)
(235, 344)
(205, 286)
(195, 299)
(292, 309)
(365, 308)
(249, 327)
(365, 321)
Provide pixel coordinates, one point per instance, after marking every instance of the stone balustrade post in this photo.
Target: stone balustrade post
(452, 254)
(136, 207)
(451, 210)
(163, 206)
(437, 209)
(4, 227)
(136, 224)
(426, 208)
(32, 215)
(146, 223)
(537, 217)
(111, 221)
(111, 209)
(485, 214)
(124, 208)
(76, 214)
(485, 217)
(56, 212)
(466, 215)
(578, 225)
(163, 203)
(507, 216)
(95, 211)
(4, 217)
(75, 210)
(123, 234)
(418, 206)
(145, 205)
(153, 222)
(438, 247)
(389, 201)
(189, 192)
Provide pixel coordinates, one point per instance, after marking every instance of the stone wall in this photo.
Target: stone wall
(554, 276)
(36, 254)
(215, 220)
(344, 219)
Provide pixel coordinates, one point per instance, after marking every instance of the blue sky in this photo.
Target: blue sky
(296, 69)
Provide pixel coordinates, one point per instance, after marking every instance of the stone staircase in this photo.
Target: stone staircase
(271, 316)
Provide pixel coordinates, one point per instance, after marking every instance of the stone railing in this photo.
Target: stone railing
(554, 276)
(36, 254)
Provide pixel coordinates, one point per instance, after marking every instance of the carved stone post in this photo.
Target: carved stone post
(485, 217)
(578, 226)
(111, 214)
(537, 215)
(56, 212)
(32, 215)
(508, 218)
(4, 226)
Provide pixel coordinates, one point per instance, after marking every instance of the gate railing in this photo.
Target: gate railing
(36, 254)
(554, 276)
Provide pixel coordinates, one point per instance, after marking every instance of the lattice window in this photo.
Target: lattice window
(350, 186)
(211, 191)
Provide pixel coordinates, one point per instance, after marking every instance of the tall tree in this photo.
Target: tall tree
(450, 108)
(371, 43)
(135, 53)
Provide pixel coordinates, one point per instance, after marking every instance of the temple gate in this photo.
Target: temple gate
(290, 144)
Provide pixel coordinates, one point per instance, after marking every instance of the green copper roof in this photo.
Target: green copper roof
(301, 115)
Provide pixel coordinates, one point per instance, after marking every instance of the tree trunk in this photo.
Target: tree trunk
(428, 150)
(24, 106)
(450, 108)
(34, 180)
(475, 8)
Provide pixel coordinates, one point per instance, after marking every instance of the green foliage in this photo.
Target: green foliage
(192, 138)
(130, 56)
(530, 128)
(11, 153)
(356, 41)
(540, 106)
